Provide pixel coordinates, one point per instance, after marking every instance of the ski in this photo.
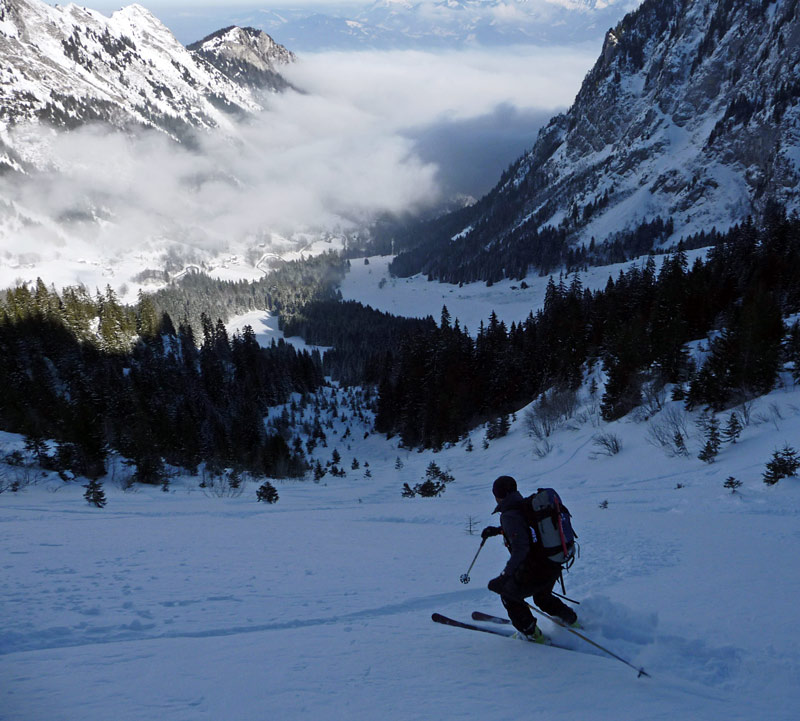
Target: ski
(510, 633)
(478, 616)
(488, 618)
(438, 618)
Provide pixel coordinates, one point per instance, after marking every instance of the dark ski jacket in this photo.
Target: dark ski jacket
(519, 537)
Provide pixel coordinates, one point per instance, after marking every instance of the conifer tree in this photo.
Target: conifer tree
(267, 492)
(733, 428)
(784, 463)
(732, 484)
(429, 488)
(37, 447)
(94, 493)
(713, 441)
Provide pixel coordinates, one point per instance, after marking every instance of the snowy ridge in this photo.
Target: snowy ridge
(69, 65)
(246, 56)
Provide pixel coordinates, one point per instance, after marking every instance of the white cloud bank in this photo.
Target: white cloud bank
(329, 158)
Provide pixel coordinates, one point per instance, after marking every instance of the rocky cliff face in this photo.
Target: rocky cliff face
(69, 65)
(691, 112)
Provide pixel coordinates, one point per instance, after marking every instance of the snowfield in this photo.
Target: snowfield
(183, 605)
(370, 283)
(193, 604)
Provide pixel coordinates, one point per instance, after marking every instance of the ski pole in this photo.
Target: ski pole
(566, 598)
(556, 621)
(465, 576)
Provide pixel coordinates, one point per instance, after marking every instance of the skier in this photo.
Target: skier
(528, 572)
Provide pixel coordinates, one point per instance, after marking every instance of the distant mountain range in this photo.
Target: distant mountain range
(689, 120)
(69, 65)
(429, 24)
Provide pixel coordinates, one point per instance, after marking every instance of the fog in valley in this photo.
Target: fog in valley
(367, 133)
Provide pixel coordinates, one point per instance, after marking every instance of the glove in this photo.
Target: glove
(490, 531)
(497, 584)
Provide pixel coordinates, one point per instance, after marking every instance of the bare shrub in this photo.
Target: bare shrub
(745, 409)
(543, 448)
(669, 431)
(654, 395)
(18, 474)
(228, 483)
(593, 413)
(551, 412)
(607, 444)
(775, 414)
(539, 428)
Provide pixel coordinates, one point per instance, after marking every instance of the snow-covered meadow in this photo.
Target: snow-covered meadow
(370, 283)
(196, 605)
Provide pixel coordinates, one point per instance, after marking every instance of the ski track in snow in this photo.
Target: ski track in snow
(57, 638)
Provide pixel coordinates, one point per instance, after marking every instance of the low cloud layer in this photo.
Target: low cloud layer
(371, 133)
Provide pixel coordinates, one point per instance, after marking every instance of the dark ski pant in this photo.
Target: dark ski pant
(537, 581)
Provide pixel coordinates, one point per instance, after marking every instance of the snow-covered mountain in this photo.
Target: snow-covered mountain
(246, 56)
(76, 87)
(690, 112)
(68, 65)
(445, 23)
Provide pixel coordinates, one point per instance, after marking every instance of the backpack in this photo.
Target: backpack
(551, 520)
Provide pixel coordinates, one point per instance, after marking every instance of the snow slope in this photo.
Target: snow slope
(193, 605)
(190, 606)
